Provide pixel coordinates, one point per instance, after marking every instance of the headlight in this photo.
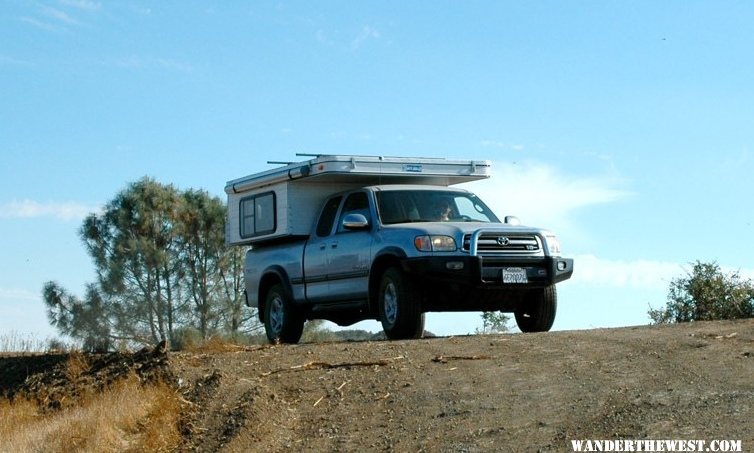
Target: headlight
(553, 245)
(435, 244)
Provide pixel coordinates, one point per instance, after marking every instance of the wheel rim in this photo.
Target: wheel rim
(390, 303)
(276, 314)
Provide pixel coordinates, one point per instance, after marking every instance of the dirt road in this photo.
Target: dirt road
(519, 392)
(523, 392)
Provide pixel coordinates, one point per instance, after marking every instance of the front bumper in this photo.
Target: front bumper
(487, 272)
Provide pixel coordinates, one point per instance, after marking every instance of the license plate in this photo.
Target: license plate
(515, 275)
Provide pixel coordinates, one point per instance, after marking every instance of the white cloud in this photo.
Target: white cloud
(141, 10)
(366, 33)
(592, 271)
(10, 61)
(87, 5)
(59, 15)
(136, 62)
(42, 25)
(322, 37)
(16, 294)
(51, 19)
(30, 209)
(502, 145)
(493, 144)
(541, 195)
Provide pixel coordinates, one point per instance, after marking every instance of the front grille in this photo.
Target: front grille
(500, 243)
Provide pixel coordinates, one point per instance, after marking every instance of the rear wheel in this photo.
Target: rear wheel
(282, 321)
(537, 311)
(399, 306)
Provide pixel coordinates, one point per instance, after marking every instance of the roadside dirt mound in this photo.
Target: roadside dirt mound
(520, 392)
(60, 380)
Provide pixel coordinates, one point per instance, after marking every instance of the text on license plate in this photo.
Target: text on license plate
(514, 275)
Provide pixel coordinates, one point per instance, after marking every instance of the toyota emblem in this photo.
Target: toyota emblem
(502, 240)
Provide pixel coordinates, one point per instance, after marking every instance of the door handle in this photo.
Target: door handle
(322, 246)
(334, 244)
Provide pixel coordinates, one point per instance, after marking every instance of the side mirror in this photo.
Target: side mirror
(512, 220)
(355, 222)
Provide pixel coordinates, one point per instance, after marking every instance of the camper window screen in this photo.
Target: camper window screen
(258, 215)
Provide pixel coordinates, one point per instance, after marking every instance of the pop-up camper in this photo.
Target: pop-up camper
(284, 201)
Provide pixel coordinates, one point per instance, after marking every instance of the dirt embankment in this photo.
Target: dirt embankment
(522, 392)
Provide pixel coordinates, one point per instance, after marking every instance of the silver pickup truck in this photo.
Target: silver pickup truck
(393, 252)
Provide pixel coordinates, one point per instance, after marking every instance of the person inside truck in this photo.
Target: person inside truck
(443, 210)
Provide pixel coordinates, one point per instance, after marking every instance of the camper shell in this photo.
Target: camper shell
(283, 203)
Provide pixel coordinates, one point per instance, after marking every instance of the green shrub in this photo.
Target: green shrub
(706, 293)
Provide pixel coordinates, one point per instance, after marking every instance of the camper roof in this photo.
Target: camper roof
(367, 170)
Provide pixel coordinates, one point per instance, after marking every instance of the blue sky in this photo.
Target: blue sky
(626, 127)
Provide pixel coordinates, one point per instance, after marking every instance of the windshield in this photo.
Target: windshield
(404, 206)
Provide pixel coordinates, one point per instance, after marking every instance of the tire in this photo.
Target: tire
(399, 306)
(282, 321)
(537, 312)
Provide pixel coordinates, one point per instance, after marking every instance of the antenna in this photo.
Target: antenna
(275, 162)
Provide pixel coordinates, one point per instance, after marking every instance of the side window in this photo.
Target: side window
(326, 219)
(471, 210)
(356, 203)
(258, 215)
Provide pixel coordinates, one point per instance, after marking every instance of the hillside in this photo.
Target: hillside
(521, 392)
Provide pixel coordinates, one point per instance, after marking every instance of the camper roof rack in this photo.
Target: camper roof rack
(366, 170)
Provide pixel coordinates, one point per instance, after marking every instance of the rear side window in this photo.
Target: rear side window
(324, 226)
(258, 215)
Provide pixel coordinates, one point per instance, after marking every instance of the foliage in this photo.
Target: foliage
(162, 267)
(81, 319)
(706, 293)
(148, 419)
(316, 331)
(16, 342)
(493, 322)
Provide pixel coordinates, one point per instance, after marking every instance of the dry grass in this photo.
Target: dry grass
(128, 417)
(219, 345)
(16, 342)
(76, 365)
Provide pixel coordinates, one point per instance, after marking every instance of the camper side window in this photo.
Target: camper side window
(258, 215)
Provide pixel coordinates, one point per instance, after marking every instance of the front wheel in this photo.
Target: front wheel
(282, 321)
(400, 306)
(537, 311)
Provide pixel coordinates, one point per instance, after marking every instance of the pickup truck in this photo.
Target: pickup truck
(394, 252)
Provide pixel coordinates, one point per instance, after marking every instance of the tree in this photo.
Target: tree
(236, 317)
(162, 268)
(213, 277)
(706, 293)
(134, 246)
(200, 232)
(493, 322)
(83, 319)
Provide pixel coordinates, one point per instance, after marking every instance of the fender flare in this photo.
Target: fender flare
(391, 254)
